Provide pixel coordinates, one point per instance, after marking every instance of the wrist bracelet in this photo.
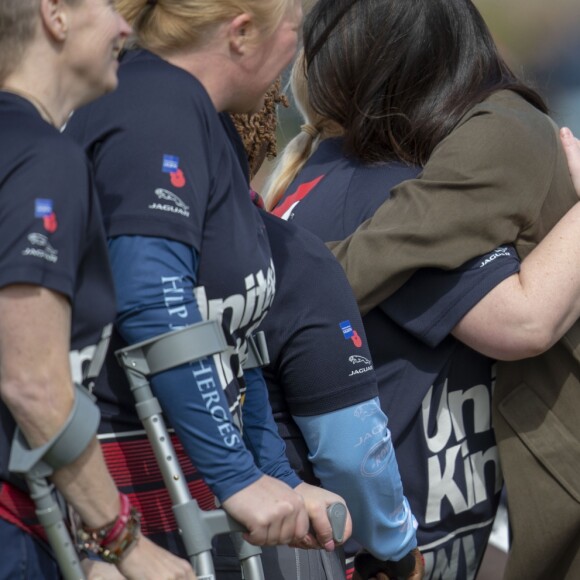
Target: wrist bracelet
(112, 541)
(113, 552)
(117, 527)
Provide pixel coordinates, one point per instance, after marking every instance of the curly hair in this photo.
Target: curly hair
(258, 131)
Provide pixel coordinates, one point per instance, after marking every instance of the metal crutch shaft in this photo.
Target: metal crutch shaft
(196, 526)
(51, 519)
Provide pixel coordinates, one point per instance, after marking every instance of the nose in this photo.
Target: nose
(124, 28)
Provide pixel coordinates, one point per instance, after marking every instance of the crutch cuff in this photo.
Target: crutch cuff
(65, 447)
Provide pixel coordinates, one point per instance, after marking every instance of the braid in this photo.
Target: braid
(302, 146)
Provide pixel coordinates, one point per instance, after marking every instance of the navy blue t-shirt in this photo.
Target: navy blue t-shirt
(319, 357)
(156, 179)
(165, 169)
(435, 390)
(51, 232)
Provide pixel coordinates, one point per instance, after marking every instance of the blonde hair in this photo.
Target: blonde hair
(167, 25)
(302, 146)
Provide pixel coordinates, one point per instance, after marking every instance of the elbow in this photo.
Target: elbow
(15, 394)
(35, 401)
(530, 342)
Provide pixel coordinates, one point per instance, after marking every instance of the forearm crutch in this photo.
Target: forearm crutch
(38, 464)
(197, 527)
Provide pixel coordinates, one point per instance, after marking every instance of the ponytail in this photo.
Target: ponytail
(302, 146)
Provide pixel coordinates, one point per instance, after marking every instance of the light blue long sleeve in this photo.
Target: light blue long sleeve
(352, 455)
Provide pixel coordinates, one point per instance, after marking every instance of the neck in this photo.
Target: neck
(211, 66)
(35, 101)
(203, 72)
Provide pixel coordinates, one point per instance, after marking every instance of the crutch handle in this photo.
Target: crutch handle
(337, 517)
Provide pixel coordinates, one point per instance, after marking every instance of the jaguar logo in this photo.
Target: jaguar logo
(356, 359)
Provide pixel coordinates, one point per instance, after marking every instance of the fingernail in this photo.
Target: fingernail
(565, 133)
(329, 546)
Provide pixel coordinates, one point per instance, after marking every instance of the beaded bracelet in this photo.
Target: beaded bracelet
(112, 541)
(116, 550)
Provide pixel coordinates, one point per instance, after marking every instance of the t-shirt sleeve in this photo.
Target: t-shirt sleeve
(483, 186)
(43, 217)
(433, 301)
(320, 355)
(159, 165)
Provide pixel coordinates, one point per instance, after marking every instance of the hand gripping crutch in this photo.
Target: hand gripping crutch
(197, 527)
(36, 465)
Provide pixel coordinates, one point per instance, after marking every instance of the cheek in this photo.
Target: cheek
(286, 50)
(292, 46)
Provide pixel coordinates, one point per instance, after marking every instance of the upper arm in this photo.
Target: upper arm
(320, 352)
(489, 326)
(156, 164)
(35, 330)
(433, 301)
(39, 263)
(154, 282)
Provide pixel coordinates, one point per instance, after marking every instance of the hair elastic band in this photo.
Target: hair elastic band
(151, 2)
(310, 130)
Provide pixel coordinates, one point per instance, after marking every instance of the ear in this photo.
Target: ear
(241, 30)
(54, 16)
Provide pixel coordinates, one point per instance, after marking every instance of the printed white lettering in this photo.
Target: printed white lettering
(174, 295)
(498, 253)
(204, 384)
(360, 371)
(41, 254)
(457, 474)
(246, 312)
(438, 566)
(250, 300)
(202, 369)
(211, 397)
(78, 360)
(377, 430)
(169, 208)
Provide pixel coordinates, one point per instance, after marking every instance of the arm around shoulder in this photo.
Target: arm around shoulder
(473, 195)
(528, 312)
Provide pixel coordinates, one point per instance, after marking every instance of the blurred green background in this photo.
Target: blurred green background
(541, 41)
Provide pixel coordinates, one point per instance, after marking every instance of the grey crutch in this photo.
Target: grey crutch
(37, 465)
(197, 527)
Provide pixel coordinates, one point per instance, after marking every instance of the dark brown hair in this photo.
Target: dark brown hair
(398, 75)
